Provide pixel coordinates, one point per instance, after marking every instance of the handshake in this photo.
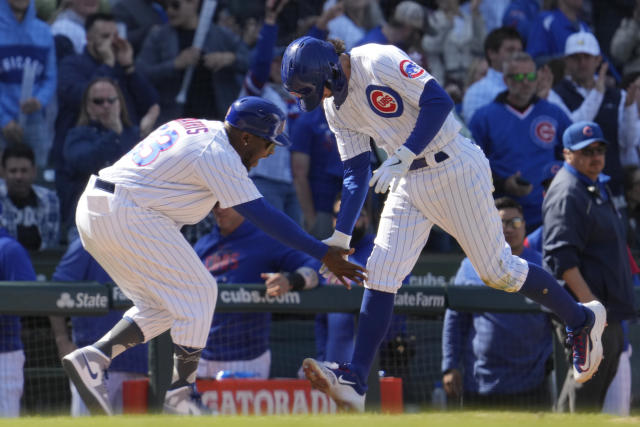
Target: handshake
(339, 246)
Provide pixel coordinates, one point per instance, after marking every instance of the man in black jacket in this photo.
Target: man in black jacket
(585, 247)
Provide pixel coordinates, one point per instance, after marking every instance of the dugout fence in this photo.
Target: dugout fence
(415, 357)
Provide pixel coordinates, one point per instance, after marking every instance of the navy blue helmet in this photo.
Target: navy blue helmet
(308, 66)
(259, 117)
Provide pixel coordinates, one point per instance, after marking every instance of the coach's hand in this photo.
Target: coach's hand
(335, 261)
(452, 383)
(339, 240)
(392, 170)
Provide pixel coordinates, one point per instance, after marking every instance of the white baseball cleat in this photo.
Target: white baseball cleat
(184, 401)
(86, 368)
(337, 382)
(587, 342)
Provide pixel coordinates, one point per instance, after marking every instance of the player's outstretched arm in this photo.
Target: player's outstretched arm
(281, 227)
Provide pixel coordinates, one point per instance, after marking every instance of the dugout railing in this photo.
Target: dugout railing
(416, 301)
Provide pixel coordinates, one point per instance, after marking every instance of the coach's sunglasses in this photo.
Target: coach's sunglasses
(593, 151)
(100, 101)
(520, 77)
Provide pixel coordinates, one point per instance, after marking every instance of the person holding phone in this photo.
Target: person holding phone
(527, 138)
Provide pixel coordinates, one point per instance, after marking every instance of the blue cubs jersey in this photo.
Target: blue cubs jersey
(78, 265)
(238, 258)
(310, 134)
(15, 265)
(520, 141)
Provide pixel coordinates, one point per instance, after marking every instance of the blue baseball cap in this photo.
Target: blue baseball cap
(580, 134)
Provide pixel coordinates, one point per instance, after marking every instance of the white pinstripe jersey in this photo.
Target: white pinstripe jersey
(182, 169)
(384, 91)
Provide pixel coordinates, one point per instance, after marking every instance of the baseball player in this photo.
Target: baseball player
(436, 176)
(129, 220)
(14, 265)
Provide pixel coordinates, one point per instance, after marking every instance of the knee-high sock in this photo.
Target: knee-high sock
(542, 288)
(125, 334)
(185, 365)
(373, 324)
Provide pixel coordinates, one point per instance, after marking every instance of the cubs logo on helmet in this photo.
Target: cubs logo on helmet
(410, 69)
(587, 131)
(543, 131)
(384, 101)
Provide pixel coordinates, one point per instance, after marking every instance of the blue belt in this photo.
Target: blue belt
(420, 163)
(103, 185)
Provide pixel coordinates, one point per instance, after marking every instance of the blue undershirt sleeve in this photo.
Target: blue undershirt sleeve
(281, 227)
(355, 185)
(260, 65)
(435, 105)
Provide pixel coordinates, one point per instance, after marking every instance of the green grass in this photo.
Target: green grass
(437, 419)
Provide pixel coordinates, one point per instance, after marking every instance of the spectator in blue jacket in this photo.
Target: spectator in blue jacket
(527, 138)
(551, 28)
(78, 265)
(105, 55)
(317, 171)
(14, 265)
(237, 252)
(103, 134)
(26, 46)
(521, 14)
(485, 357)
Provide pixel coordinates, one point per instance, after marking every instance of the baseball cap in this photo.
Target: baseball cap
(410, 13)
(580, 134)
(581, 42)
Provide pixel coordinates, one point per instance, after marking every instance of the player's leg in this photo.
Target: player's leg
(467, 212)
(402, 233)
(11, 382)
(340, 333)
(145, 254)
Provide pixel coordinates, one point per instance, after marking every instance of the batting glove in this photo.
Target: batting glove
(392, 170)
(338, 239)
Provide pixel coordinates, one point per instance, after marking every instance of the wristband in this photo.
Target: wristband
(296, 280)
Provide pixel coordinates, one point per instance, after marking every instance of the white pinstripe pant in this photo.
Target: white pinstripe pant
(456, 195)
(146, 255)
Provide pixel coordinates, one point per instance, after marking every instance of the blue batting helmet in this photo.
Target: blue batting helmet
(259, 117)
(310, 64)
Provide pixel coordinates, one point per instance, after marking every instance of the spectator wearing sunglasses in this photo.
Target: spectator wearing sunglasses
(520, 133)
(584, 246)
(103, 133)
(584, 96)
(486, 359)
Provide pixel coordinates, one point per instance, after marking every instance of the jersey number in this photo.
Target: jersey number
(147, 150)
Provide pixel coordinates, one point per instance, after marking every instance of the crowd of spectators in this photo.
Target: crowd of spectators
(82, 81)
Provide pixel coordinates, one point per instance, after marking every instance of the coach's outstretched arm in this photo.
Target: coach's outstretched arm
(283, 228)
